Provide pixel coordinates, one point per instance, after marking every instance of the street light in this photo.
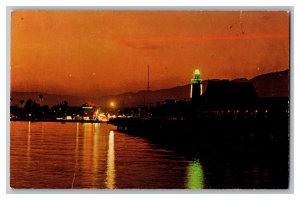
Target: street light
(112, 104)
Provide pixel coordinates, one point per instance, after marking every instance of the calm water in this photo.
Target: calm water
(86, 155)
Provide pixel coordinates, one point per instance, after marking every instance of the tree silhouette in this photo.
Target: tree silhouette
(22, 102)
(61, 109)
(28, 106)
(41, 98)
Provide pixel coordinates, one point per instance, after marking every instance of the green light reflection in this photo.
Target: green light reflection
(195, 175)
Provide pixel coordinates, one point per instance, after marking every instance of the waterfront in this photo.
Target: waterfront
(94, 155)
(86, 155)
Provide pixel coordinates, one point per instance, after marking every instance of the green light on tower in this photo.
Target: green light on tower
(196, 74)
(196, 85)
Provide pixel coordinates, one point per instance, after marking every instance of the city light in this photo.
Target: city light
(112, 104)
(87, 107)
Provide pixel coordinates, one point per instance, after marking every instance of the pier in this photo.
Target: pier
(218, 133)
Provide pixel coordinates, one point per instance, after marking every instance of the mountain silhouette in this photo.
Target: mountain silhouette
(275, 84)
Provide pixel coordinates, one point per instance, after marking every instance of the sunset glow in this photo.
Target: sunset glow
(98, 53)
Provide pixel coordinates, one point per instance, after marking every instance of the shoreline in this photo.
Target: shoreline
(62, 121)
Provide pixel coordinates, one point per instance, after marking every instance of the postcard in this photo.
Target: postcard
(150, 99)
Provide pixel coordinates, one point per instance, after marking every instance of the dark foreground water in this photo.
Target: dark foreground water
(86, 155)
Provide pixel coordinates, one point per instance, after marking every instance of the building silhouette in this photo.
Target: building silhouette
(225, 94)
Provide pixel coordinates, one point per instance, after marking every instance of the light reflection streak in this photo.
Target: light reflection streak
(96, 150)
(28, 143)
(43, 131)
(87, 146)
(110, 170)
(76, 153)
(195, 175)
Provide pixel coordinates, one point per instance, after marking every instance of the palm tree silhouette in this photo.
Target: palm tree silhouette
(22, 102)
(41, 99)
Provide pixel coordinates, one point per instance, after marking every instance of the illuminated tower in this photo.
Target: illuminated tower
(196, 86)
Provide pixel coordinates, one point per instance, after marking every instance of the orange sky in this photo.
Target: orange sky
(107, 52)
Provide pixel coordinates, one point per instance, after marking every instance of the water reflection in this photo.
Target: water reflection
(87, 147)
(76, 154)
(195, 177)
(96, 131)
(28, 143)
(110, 170)
(86, 155)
